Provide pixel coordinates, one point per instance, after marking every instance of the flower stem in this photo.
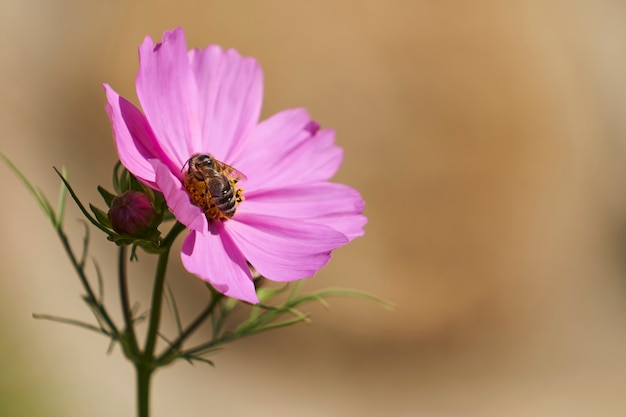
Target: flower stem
(91, 297)
(130, 341)
(144, 362)
(157, 292)
(157, 298)
(144, 374)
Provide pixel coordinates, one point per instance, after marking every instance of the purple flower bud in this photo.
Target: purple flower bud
(131, 213)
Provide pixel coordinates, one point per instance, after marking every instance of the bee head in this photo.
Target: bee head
(204, 160)
(198, 161)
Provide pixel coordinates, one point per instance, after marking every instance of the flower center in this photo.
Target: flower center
(212, 186)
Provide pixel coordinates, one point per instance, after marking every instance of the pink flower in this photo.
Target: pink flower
(207, 101)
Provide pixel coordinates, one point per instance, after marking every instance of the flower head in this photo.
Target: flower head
(131, 213)
(206, 102)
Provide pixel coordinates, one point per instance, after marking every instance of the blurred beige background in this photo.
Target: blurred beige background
(499, 230)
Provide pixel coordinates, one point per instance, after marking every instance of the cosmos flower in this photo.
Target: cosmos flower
(208, 101)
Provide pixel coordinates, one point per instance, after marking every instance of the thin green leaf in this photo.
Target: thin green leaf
(83, 255)
(270, 314)
(41, 199)
(134, 310)
(72, 322)
(165, 339)
(216, 343)
(138, 318)
(199, 359)
(281, 324)
(220, 319)
(273, 313)
(255, 312)
(111, 346)
(266, 294)
(96, 309)
(171, 303)
(61, 199)
(100, 282)
(80, 205)
(263, 321)
(309, 298)
(212, 346)
(133, 253)
(321, 295)
(188, 359)
(296, 288)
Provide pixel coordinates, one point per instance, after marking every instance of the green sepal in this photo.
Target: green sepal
(124, 181)
(107, 196)
(149, 241)
(120, 178)
(161, 206)
(101, 216)
(136, 185)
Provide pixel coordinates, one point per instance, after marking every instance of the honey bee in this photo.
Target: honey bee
(212, 186)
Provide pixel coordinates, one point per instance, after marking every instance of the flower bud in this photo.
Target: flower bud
(131, 213)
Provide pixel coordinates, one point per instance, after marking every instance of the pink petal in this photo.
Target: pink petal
(177, 199)
(335, 205)
(230, 96)
(134, 139)
(287, 149)
(168, 94)
(214, 257)
(283, 249)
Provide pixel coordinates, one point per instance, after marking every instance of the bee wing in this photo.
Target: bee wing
(231, 172)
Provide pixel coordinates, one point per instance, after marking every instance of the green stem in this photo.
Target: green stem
(145, 364)
(78, 267)
(157, 298)
(144, 374)
(157, 292)
(124, 299)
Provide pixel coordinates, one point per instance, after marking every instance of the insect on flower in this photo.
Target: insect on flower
(200, 119)
(212, 186)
